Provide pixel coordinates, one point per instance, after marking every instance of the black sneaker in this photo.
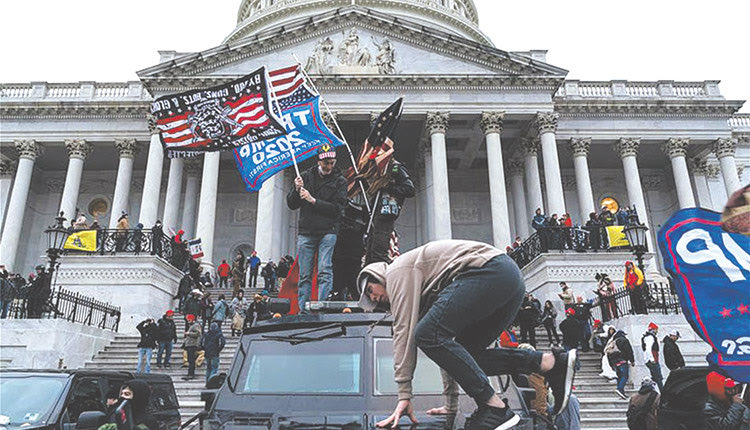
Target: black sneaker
(491, 418)
(560, 378)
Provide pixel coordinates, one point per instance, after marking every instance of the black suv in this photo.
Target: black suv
(328, 371)
(55, 399)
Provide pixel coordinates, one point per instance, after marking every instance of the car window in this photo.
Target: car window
(163, 398)
(27, 400)
(329, 367)
(86, 395)
(427, 379)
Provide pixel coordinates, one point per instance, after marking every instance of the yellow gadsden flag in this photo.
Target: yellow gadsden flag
(616, 236)
(82, 241)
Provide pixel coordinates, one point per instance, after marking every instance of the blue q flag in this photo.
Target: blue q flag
(306, 131)
(711, 269)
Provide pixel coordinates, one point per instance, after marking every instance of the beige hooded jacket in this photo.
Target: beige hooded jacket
(408, 281)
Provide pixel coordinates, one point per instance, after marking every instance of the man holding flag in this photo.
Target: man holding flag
(320, 195)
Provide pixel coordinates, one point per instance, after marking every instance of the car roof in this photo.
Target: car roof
(321, 319)
(64, 373)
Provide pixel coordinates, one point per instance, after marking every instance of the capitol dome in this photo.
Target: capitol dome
(458, 17)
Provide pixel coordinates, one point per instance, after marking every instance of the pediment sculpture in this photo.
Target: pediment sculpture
(351, 57)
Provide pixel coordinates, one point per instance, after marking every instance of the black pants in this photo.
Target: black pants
(551, 330)
(467, 316)
(253, 282)
(528, 334)
(379, 241)
(192, 355)
(223, 282)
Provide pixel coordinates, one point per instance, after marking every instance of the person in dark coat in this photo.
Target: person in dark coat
(183, 290)
(213, 343)
(167, 336)
(253, 266)
(8, 293)
(724, 409)
(192, 306)
(157, 235)
(39, 293)
(643, 407)
(672, 355)
(320, 195)
(571, 331)
(528, 316)
(146, 346)
(583, 315)
(137, 238)
(619, 353)
(549, 317)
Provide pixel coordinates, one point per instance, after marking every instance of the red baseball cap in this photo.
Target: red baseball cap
(190, 317)
(170, 312)
(570, 311)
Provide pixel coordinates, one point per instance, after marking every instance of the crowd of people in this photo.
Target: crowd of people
(31, 295)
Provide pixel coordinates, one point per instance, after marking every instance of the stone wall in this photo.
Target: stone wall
(42, 343)
(142, 285)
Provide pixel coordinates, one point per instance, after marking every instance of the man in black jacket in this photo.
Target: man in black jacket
(146, 346)
(387, 209)
(571, 331)
(672, 355)
(620, 356)
(528, 316)
(320, 195)
(166, 336)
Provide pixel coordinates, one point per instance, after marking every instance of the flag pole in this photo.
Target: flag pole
(336, 123)
(278, 107)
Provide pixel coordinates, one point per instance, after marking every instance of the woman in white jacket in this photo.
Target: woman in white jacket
(607, 371)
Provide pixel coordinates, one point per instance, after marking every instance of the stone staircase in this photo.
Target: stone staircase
(601, 408)
(122, 354)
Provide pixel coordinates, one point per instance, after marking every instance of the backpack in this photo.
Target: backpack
(611, 348)
(637, 414)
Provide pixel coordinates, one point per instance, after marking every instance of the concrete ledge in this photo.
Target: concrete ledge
(142, 285)
(42, 343)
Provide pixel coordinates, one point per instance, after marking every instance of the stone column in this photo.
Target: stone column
(676, 148)
(546, 123)
(266, 219)
(725, 149)
(174, 190)
(492, 125)
(700, 169)
(192, 168)
(533, 182)
(152, 181)
(6, 180)
(437, 125)
(207, 207)
(78, 149)
(127, 149)
(429, 219)
(628, 150)
(519, 199)
(580, 148)
(28, 151)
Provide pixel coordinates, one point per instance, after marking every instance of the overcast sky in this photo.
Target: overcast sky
(100, 40)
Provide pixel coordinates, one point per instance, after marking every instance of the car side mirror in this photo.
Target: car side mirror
(90, 420)
(216, 381)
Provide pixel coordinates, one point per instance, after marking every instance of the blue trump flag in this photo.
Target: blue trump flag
(305, 133)
(711, 269)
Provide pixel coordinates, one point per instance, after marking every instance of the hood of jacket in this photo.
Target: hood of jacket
(377, 271)
(619, 334)
(141, 395)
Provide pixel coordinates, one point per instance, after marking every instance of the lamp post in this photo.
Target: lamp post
(636, 234)
(57, 234)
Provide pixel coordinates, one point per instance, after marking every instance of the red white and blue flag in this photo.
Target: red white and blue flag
(218, 118)
(711, 272)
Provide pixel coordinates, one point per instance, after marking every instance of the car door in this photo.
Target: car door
(86, 394)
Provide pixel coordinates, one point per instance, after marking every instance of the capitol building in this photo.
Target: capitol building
(488, 135)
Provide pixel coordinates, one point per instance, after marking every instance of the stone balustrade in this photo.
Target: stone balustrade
(90, 91)
(625, 89)
(740, 122)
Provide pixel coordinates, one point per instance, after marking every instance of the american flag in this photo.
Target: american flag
(219, 117)
(289, 86)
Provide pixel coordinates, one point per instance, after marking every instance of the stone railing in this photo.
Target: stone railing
(740, 121)
(573, 89)
(87, 91)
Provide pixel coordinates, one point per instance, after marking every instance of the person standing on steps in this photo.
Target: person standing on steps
(570, 328)
(672, 355)
(167, 332)
(146, 346)
(253, 266)
(213, 343)
(223, 270)
(429, 290)
(643, 407)
(650, 347)
(192, 343)
(549, 316)
(620, 355)
(220, 310)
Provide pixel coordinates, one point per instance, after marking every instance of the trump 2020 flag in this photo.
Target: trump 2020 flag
(711, 270)
(81, 241)
(222, 117)
(300, 115)
(196, 248)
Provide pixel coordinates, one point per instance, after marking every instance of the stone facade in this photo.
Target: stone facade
(470, 110)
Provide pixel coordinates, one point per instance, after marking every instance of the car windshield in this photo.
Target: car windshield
(427, 379)
(27, 400)
(330, 367)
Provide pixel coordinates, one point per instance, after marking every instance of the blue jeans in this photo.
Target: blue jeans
(306, 248)
(212, 367)
(144, 353)
(655, 370)
(5, 308)
(164, 347)
(467, 316)
(623, 373)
